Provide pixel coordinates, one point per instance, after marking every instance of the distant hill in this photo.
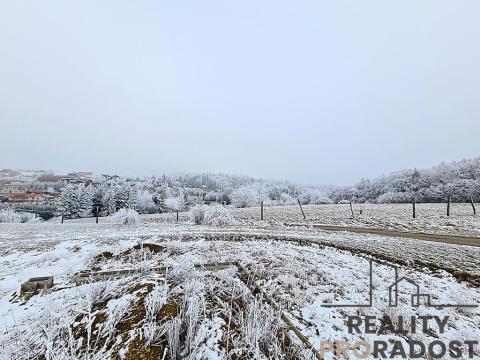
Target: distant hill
(7, 175)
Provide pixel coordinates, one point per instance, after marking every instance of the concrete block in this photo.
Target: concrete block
(35, 285)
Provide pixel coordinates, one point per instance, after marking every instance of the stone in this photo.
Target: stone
(35, 285)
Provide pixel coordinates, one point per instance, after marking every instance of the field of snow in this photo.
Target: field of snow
(430, 218)
(169, 307)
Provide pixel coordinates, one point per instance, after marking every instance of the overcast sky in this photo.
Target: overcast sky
(310, 91)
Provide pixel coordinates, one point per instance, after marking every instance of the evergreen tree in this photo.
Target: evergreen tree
(70, 201)
(86, 200)
(132, 197)
(109, 202)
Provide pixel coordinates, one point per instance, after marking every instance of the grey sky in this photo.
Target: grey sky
(310, 91)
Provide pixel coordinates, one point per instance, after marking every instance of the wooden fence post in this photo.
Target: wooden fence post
(96, 220)
(351, 209)
(448, 205)
(473, 206)
(301, 209)
(261, 210)
(414, 208)
(177, 215)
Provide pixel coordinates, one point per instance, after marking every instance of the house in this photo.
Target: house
(76, 178)
(13, 188)
(35, 197)
(14, 197)
(49, 178)
(85, 174)
(26, 197)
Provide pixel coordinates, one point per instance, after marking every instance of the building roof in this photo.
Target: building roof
(49, 178)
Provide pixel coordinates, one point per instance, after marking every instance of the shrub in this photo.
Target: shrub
(216, 215)
(219, 216)
(197, 214)
(10, 216)
(125, 217)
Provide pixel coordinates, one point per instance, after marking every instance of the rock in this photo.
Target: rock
(35, 285)
(150, 248)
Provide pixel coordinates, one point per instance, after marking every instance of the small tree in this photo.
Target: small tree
(145, 203)
(176, 203)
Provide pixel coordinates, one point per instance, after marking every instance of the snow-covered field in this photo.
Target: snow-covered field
(183, 311)
(430, 218)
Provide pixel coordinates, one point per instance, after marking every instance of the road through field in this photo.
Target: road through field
(443, 238)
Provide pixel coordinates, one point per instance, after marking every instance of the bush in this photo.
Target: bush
(125, 217)
(216, 215)
(219, 216)
(197, 214)
(10, 216)
(145, 203)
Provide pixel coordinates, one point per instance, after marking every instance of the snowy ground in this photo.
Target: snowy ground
(430, 218)
(226, 320)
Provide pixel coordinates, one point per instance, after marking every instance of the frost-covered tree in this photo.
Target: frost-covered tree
(70, 201)
(176, 203)
(122, 194)
(250, 195)
(86, 200)
(132, 197)
(314, 196)
(461, 180)
(109, 202)
(145, 203)
(163, 192)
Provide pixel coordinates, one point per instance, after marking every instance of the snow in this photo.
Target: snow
(125, 217)
(298, 277)
(431, 218)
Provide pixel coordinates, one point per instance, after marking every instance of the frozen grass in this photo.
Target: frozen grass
(431, 218)
(197, 314)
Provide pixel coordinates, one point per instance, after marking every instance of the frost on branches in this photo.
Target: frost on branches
(10, 216)
(76, 201)
(215, 215)
(125, 217)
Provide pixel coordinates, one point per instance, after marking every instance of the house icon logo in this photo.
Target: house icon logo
(393, 293)
(416, 297)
